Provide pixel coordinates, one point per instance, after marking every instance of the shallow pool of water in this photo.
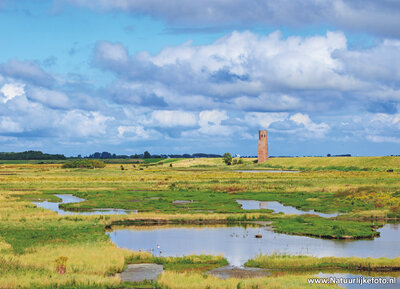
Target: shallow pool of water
(67, 199)
(238, 244)
(278, 208)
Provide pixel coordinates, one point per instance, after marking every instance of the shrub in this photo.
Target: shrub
(237, 162)
(88, 164)
(227, 158)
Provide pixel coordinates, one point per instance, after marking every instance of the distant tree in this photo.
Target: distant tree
(227, 158)
(146, 155)
(96, 155)
(105, 155)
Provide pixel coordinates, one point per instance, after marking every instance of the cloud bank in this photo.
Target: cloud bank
(305, 89)
(376, 17)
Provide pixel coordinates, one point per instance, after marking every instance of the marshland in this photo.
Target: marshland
(330, 215)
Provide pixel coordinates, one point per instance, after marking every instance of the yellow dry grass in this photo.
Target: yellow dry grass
(185, 163)
(176, 280)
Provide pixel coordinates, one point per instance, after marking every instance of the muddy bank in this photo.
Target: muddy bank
(141, 272)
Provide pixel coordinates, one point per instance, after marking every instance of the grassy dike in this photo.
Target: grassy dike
(293, 262)
(344, 164)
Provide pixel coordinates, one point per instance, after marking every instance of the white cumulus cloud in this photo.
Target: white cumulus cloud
(172, 118)
(11, 90)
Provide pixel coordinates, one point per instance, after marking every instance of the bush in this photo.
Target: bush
(237, 162)
(85, 164)
(227, 158)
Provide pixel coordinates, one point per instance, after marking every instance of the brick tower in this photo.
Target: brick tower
(262, 146)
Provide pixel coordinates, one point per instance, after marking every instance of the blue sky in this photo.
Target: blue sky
(200, 76)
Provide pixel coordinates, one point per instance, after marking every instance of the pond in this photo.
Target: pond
(278, 208)
(238, 244)
(67, 199)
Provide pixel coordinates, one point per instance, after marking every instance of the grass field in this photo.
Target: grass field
(309, 263)
(31, 239)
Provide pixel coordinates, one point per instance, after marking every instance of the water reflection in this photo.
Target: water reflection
(67, 199)
(278, 208)
(238, 244)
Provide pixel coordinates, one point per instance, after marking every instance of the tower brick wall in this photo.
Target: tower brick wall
(262, 146)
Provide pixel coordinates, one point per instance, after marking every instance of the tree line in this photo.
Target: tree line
(38, 155)
(30, 155)
(147, 155)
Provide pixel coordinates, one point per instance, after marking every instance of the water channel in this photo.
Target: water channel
(67, 199)
(278, 208)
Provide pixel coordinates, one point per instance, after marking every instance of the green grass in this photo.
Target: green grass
(32, 162)
(198, 263)
(335, 163)
(10, 266)
(203, 201)
(152, 161)
(299, 262)
(27, 234)
(324, 228)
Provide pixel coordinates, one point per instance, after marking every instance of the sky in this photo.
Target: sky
(178, 76)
